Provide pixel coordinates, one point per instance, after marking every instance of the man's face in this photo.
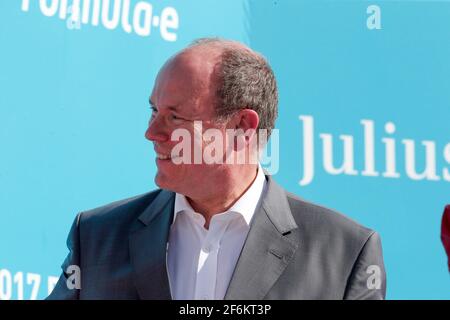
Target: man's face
(184, 92)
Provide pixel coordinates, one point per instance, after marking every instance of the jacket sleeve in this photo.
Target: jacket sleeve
(367, 280)
(66, 287)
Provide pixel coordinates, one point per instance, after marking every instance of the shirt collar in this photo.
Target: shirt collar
(245, 205)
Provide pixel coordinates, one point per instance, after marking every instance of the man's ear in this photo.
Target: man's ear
(245, 122)
(246, 119)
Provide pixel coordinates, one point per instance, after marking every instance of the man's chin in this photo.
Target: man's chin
(159, 181)
(163, 181)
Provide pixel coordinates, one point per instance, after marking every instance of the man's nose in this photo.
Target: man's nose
(155, 131)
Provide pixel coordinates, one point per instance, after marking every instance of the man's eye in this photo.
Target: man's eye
(154, 111)
(175, 117)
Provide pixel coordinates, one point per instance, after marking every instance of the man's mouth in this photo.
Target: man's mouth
(161, 156)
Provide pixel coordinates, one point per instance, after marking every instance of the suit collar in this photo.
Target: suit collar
(267, 250)
(147, 244)
(277, 208)
(156, 207)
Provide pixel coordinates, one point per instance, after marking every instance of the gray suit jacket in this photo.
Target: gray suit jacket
(294, 250)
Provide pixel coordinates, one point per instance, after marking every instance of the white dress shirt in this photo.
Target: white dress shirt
(200, 262)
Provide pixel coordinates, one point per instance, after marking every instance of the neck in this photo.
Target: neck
(232, 187)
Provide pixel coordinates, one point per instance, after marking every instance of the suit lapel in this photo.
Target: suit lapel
(267, 251)
(147, 242)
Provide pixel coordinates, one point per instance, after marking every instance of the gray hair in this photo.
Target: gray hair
(245, 81)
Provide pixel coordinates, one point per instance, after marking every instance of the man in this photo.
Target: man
(220, 229)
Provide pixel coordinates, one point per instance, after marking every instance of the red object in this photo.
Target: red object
(445, 232)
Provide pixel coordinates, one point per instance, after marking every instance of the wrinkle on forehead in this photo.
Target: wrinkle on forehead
(192, 75)
(189, 77)
(200, 65)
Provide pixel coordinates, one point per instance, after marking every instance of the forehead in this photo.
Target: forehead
(187, 78)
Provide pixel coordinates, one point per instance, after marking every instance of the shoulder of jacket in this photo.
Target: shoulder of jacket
(319, 219)
(118, 210)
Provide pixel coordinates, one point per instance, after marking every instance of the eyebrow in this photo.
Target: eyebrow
(173, 108)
